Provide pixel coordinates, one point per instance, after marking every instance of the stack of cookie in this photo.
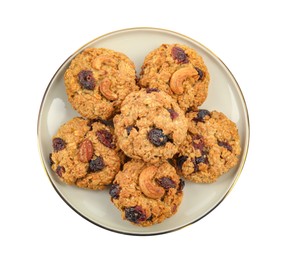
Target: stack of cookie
(141, 138)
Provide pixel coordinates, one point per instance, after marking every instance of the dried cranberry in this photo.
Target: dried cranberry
(226, 145)
(135, 214)
(180, 161)
(173, 113)
(179, 55)
(166, 183)
(86, 79)
(198, 142)
(60, 170)
(201, 114)
(150, 90)
(200, 73)
(114, 191)
(58, 144)
(106, 138)
(157, 137)
(96, 165)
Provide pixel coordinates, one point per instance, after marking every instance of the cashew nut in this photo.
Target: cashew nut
(148, 186)
(106, 91)
(176, 83)
(103, 59)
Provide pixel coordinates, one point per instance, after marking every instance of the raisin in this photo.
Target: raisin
(173, 113)
(150, 90)
(96, 165)
(157, 137)
(114, 191)
(58, 144)
(60, 170)
(201, 159)
(180, 161)
(201, 114)
(135, 214)
(179, 55)
(166, 183)
(226, 145)
(86, 79)
(106, 138)
(200, 73)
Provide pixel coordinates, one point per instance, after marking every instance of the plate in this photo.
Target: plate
(199, 199)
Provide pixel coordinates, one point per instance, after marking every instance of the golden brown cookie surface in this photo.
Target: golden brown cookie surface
(84, 154)
(147, 194)
(211, 147)
(179, 71)
(97, 81)
(151, 125)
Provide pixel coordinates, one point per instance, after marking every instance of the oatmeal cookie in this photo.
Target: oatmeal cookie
(151, 126)
(179, 71)
(147, 194)
(211, 147)
(97, 81)
(84, 154)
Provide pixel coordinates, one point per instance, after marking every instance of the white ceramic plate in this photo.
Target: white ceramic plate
(199, 199)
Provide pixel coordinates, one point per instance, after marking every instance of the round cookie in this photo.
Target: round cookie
(147, 194)
(211, 147)
(151, 126)
(179, 71)
(84, 154)
(97, 81)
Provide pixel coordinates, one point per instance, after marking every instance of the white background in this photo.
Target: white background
(37, 37)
